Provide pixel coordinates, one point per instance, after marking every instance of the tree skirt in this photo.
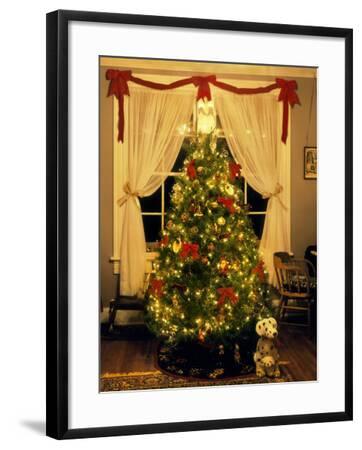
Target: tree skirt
(206, 362)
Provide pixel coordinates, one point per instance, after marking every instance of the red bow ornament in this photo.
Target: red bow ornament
(164, 241)
(157, 287)
(191, 170)
(204, 87)
(288, 96)
(259, 270)
(189, 249)
(227, 294)
(228, 203)
(234, 170)
(119, 88)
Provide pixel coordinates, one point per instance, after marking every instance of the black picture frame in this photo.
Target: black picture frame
(57, 223)
(310, 172)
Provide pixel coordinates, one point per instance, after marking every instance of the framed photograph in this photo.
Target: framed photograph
(310, 163)
(188, 260)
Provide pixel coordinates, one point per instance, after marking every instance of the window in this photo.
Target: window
(155, 207)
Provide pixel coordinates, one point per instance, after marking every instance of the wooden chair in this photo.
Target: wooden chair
(295, 283)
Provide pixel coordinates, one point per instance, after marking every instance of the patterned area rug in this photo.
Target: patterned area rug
(159, 380)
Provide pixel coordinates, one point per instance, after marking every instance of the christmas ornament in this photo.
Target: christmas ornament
(228, 203)
(194, 230)
(164, 241)
(169, 225)
(223, 265)
(184, 217)
(229, 189)
(259, 270)
(226, 294)
(240, 236)
(204, 260)
(157, 287)
(177, 197)
(177, 187)
(214, 205)
(221, 221)
(211, 247)
(234, 170)
(191, 171)
(176, 246)
(190, 249)
(200, 169)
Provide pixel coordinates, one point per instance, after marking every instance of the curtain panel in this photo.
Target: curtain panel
(252, 131)
(151, 144)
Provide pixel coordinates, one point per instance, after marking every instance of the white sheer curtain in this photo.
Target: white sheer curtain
(151, 144)
(252, 126)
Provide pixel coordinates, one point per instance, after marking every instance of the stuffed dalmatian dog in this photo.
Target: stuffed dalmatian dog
(266, 356)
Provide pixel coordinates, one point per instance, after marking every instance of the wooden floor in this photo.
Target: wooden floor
(297, 355)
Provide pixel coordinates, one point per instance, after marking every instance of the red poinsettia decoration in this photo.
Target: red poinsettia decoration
(190, 249)
(234, 170)
(157, 287)
(191, 170)
(228, 203)
(227, 294)
(259, 270)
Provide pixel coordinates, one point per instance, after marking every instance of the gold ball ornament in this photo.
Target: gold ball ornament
(169, 225)
(200, 169)
(177, 187)
(221, 221)
(184, 217)
(214, 205)
(194, 230)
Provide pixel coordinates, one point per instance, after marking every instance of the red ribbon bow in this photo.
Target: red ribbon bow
(259, 270)
(191, 171)
(119, 88)
(189, 249)
(228, 203)
(204, 87)
(234, 169)
(288, 96)
(226, 293)
(157, 287)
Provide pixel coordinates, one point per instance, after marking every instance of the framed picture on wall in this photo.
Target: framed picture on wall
(310, 163)
(174, 281)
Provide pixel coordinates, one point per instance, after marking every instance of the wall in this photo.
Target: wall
(109, 281)
(303, 192)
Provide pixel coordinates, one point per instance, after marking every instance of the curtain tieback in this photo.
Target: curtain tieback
(278, 190)
(128, 194)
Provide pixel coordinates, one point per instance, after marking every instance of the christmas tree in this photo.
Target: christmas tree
(210, 283)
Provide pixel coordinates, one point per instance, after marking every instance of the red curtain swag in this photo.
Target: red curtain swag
(118, 86)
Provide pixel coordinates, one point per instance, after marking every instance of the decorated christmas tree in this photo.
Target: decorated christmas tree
(210, 283)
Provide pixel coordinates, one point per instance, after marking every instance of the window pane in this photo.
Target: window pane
(152, 226)
(256, 201)
(170, 181)
(152, 203)
(258, 223)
